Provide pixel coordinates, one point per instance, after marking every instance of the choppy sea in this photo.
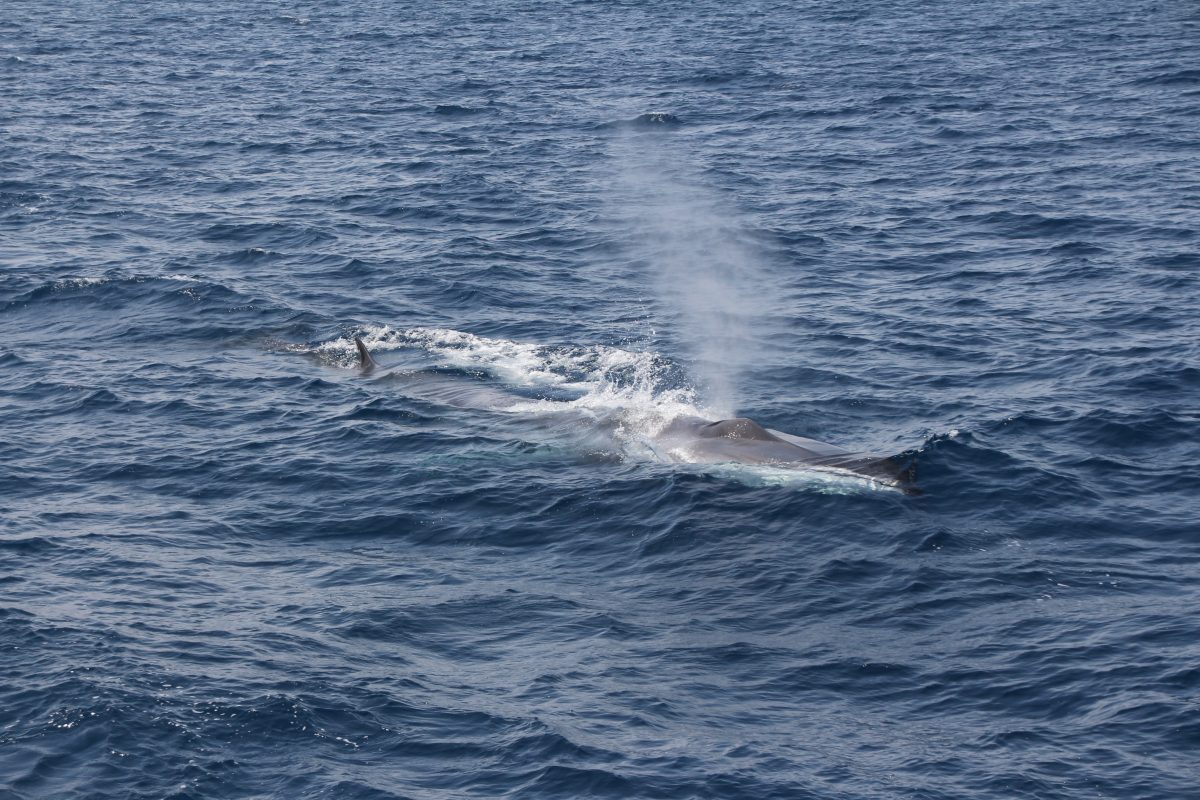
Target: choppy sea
(234, 565)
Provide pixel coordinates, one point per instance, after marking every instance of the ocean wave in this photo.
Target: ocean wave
(481, 569)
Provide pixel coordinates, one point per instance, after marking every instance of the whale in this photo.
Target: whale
(696, 440)
(741, 440)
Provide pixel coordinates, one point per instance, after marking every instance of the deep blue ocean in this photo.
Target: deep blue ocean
(235, 565)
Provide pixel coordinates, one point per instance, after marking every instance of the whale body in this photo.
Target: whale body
(690, 439)
(743, 441)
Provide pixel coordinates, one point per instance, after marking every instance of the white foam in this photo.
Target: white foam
(514, 362)
(96, 280)
(71, 283)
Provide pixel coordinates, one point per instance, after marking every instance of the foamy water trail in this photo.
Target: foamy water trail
(602, 379)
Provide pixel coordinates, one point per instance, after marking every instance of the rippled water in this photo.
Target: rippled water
(233, 565)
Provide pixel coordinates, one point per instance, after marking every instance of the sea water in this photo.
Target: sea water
(234, 565)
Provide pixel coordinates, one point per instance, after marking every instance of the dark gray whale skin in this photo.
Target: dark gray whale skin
(365, 361)
(744, 441)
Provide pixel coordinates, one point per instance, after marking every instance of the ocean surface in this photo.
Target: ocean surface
(234, 565)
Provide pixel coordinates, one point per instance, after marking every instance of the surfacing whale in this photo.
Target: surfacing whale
(744, 441)
(740, 440)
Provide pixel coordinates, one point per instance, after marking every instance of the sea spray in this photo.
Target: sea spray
(708, 280)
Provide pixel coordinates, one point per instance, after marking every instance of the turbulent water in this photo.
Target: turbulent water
(234, 565)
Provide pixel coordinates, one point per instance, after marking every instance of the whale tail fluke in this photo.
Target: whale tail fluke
(364, 356)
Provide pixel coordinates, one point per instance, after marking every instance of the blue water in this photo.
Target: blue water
(232, 565)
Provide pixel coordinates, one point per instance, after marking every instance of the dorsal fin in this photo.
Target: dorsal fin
(364, 355)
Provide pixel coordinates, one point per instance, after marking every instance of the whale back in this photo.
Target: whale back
(744, 441)
(736, 428)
